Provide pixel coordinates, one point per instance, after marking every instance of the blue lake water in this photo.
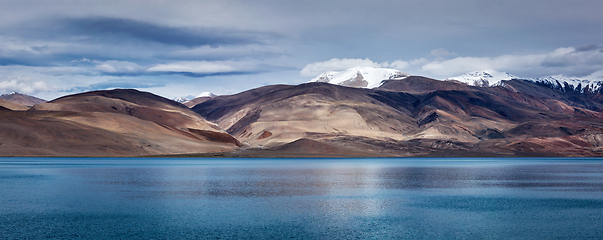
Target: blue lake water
(163, 198)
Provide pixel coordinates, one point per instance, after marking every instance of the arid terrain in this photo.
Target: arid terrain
(415, 116)
(109, 123)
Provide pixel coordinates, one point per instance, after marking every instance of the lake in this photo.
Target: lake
(182, 198)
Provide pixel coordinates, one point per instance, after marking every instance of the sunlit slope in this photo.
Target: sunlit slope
(408, 117)
(112, 123)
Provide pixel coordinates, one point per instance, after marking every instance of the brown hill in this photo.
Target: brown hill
(22, 99)
(418, 85)
(416, 116)
(196, 101)
(12, 106)
(110, 123)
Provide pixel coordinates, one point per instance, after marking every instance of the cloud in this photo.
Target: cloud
(64, 40)
(24, 85)
(571, 57)
(598, 75)
(441, 52)
(123, 30)
(257, 51)
(203, 68)
(119, 83)
(126, 38)
(118, 67)
(336, 64)
(399, 64)
(566, 61)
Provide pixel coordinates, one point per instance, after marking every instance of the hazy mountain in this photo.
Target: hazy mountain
(22, 99)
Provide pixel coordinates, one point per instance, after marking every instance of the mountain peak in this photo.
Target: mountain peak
(22, 99)
(565, 84)
(486, 78)
(206, 94)
(361, 77)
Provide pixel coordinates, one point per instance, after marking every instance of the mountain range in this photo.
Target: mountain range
(400, 116)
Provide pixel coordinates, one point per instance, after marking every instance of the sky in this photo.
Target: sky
(182, 48)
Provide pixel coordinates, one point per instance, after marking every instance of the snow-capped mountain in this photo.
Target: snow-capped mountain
(569, 84)
(191, 97)
(362, 77)
(487, 78)
(206, 94)
(490, 78)
(182, 99)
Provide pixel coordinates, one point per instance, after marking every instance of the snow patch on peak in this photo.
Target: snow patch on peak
(363, 77)
(181, 99)
(569, 84)
(206, 94)
(490, 78)
(487, 78)
(9, 94)
(191, 97)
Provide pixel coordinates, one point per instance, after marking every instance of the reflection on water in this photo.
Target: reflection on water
(282, 198)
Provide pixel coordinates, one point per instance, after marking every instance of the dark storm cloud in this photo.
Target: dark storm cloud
(119, 29)
(52, 42)
(589, 47)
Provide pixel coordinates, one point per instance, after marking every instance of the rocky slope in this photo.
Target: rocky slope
(416, 116)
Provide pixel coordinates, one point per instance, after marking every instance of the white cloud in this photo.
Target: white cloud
(598, 75)
(203, 67)
(399, 64)
(80, 61)
(565, 61)
(113, 66)
(584, 62)
(441, 52)
(24, 85)
(336, 64)
(226, 52)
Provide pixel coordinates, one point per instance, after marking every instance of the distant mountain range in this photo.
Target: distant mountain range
(372, 77)
(494, 78)
(403, 116)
